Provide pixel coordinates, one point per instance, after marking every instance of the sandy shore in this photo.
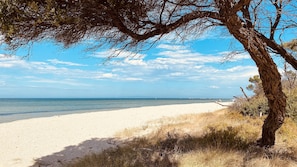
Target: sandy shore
(53, 141)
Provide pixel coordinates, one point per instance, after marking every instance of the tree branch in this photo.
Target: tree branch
(255, 8)
(274, 25)
(247, 98)
(160, 29)
(239, 5)
(161, 14)
(280, 50)
(247, 16)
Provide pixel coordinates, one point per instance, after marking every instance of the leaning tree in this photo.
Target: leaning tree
(258, 25)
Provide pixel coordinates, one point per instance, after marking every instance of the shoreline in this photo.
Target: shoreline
(26, 108)
(53, 141)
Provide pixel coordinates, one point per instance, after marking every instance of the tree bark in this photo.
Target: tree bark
(271, 79)
(271, 82)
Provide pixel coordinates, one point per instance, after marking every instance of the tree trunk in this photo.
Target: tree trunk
(271, 79)
(271, 82)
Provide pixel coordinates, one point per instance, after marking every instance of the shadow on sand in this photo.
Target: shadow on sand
(142, 150)
(71, 153)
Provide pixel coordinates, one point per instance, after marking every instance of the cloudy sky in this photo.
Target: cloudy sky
(196, 68)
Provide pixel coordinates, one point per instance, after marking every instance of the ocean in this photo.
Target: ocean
(26, 108)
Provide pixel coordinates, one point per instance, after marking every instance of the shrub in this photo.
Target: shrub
(258, 106)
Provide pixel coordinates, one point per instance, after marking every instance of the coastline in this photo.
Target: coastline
(15, 109)
(45, 139)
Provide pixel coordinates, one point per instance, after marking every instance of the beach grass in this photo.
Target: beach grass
(223, 139)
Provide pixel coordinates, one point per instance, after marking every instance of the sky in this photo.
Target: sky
(200, 67)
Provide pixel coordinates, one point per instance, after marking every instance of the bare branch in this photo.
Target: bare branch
(160, 29)
(162, 11)
(240, 4)
(280, 50)
(278, 7)
(246, 15)
(255, 11)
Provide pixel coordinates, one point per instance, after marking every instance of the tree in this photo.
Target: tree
(256, 85)
(128, 23)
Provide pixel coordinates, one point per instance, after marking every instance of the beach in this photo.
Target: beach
(54, 141)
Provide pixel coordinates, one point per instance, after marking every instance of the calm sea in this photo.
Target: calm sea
(18, 109)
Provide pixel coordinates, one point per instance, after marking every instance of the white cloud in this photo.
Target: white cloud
(135, 62)
(234, 56)
(8, 61)
(237, 68)
(3, 56)
(69, 82)
(132, 79)
(187, 58)
(2, 83)
(176, 51)
(120, 54)
(171, 47)
(121, 58)
(104, 76)
(6, 65)
(176, 74)
(172, 63)
(44, 68)
(237, 73)
(214, 87)
(57, 62)
(195, 34)
(176, 62)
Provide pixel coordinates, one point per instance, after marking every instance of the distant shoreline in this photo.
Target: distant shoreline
(13, 109)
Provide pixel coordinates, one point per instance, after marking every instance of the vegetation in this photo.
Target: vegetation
(223, 139)
(258, 25)
(257, 105)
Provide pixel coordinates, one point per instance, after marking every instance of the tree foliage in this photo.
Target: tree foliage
(255, 85)
(292, 45)
(69, 21)
(258, 25)
(257, 105)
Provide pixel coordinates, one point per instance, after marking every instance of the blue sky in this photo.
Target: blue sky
(195, 68)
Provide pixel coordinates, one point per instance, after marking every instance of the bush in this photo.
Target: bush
(258, 106)
(291, 108)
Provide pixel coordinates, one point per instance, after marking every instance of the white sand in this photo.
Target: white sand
(53, 141)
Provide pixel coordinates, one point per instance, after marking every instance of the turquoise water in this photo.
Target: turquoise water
(18, 109)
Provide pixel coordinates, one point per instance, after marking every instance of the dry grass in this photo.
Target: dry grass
(210, 158)
(222, 139)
